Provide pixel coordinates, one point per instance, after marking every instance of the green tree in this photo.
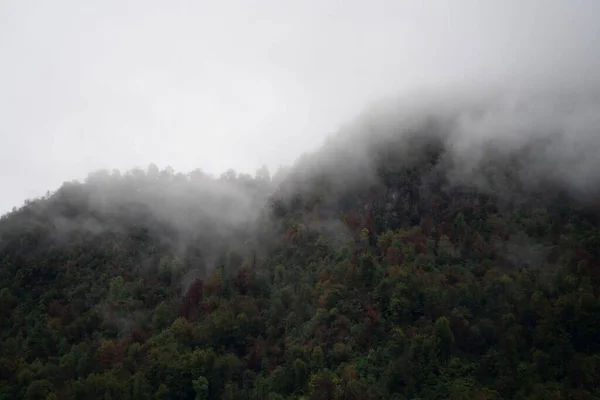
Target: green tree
(317, 359)
(201, 388)
(444, 336)
(39, 390)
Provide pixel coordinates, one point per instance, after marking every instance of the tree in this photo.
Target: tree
(162, 393)
(317, 359)
(117, 289)
(201, 388)
(300, 373)
(263, 175)
(39, 390)
(324, 385)
(444, 336)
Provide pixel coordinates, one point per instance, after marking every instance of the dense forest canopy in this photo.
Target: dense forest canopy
(436, 248)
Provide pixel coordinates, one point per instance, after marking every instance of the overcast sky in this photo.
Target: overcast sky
(235, 84)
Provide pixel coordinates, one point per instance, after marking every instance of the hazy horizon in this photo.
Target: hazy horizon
(234, 85)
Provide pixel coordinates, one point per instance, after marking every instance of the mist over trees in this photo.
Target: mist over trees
(443, 246)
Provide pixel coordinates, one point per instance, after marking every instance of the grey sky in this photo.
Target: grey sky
(219, 84)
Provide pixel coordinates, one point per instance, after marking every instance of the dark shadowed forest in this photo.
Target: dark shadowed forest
(441, 250)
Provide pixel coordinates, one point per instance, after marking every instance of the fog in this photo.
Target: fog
(119, 84)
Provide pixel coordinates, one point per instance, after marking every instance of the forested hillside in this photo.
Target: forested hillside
(452, 254)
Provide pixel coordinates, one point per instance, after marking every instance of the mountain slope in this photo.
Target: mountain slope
(399, 261)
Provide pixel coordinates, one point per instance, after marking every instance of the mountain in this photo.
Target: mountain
(435, 250)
